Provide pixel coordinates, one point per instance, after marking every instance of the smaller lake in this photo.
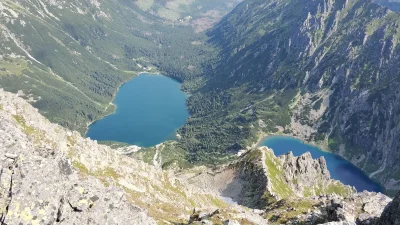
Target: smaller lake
(339, 168)
(150, 108)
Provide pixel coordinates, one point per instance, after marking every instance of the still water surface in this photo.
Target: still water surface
(150, 108)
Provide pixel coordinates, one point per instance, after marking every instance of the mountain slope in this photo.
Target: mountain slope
(326, 71)
(390, 215)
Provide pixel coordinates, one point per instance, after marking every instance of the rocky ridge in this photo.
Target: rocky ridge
(391, 213)
(288, 176)
(289, 189)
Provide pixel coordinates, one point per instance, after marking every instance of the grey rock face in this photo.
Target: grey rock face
(391, 214)
(358, 208)
(303, 171)
(39, 185)
(265, 178)
(305, 166)
(340, 223)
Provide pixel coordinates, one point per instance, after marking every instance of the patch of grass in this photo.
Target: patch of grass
(333, 144)
(103, 174)
(373, 26)
(308, 191)
(71, 140)
(276, 177)
(338, 188)
(172, 155)
(218, 202)
(107, 172)
(146, 154)
(333, 188)
(318, 35)
(252, 155)
(11, 66)
(113, 144)
(37, 135)
(27, 129)
(81, 167)
(175, 189)
(283, 211)
(161, 210)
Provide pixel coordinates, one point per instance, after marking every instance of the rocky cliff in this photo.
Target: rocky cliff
(391, 214)
(290, 190)
(299, 189)
(284, 177)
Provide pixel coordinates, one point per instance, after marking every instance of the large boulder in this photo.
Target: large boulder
(391, 214)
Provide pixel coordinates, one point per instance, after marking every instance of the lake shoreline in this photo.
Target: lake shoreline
(262, 139)
(148, 102)
(320, 146)
(111, 103)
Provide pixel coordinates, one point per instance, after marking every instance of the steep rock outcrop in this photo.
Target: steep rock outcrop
(310, 177)
(292, 190)
(39, 184)
(259, 178)
(357, 208)
(274, 178)
(391, 214)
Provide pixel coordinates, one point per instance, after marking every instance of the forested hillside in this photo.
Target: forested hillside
(69, 57)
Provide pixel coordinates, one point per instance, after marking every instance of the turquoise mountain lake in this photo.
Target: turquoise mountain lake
(339, 168)
(150, 108)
